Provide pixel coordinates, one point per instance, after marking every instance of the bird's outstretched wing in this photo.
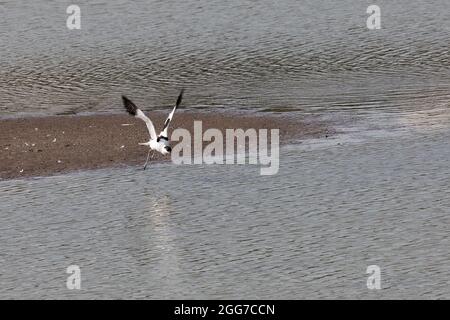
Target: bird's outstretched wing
(163, 134)
(135, 111)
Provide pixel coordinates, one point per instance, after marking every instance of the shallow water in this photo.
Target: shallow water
(335, 207)
(309, 56)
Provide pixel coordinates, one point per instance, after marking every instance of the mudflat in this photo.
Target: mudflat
(56, 144)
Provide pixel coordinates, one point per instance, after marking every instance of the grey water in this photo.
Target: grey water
(375, 194)
(226, 232)
(308, 56)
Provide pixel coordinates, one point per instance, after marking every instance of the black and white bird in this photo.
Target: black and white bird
(156, 143)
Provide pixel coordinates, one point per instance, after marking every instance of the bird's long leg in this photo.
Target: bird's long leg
(148, 157)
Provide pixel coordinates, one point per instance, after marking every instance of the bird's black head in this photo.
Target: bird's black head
(168, 149)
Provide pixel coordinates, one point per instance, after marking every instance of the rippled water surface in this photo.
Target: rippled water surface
(309, 55)
(310, 231)
(377, 193)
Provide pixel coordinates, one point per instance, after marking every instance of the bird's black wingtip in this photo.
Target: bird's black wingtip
(129, 105)
(180, 97)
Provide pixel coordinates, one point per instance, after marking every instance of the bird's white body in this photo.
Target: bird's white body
(157, 146)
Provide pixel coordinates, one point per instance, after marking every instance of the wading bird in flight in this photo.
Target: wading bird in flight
(157, 143)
